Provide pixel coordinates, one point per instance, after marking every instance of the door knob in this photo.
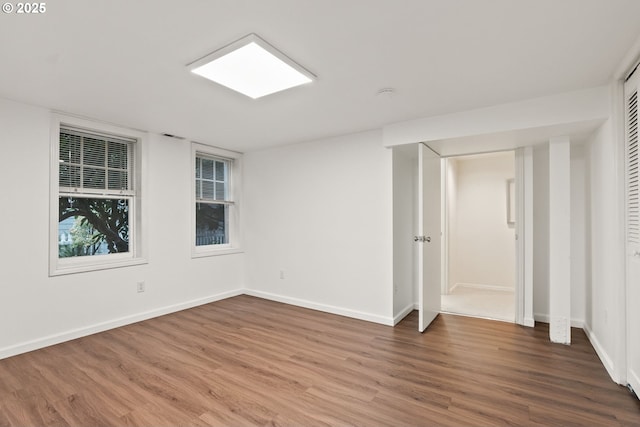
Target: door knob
(427, 239)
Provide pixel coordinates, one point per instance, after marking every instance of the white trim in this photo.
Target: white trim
(524, 236)
(527, 237)
(403, 313)
(519, 244)
(61, 270)
(577, 323)
(111, 324)
(137, 213)
(369, 317)
(603, 355)
(631, 379)
(444, 226)
(545, 318)
(483, 286)
(476, 316)
(540, 317)
(235, 194)
(618, 136)
(224, 250)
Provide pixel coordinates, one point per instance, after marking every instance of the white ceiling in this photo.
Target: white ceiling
(123, 61)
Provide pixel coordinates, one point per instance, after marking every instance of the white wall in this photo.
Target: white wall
(484, 244)
(37, 310)
(580, 232)
(321, 212)
(451, 189)
(541, 233)
(605, 321)
(404, 212)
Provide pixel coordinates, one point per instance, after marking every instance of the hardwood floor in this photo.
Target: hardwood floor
(247, 361)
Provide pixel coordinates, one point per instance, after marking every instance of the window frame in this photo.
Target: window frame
(232, 201)
(60, 266)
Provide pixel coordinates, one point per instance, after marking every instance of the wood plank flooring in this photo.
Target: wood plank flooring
(250, 362)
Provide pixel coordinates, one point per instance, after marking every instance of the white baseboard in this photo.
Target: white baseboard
(36, 344)
(539, 317)
(389, 321)
(482, 286)
(529, 322)
(602, 354)
(577, 323)
(544, 318)
(403, 313)
(633, 378)
(322, 307)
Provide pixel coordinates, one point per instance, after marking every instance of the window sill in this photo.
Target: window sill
(85, 268)
(215, 252)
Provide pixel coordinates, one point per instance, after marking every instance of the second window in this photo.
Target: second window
(213, 201)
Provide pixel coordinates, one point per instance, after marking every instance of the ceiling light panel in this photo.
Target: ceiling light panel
(252, 67)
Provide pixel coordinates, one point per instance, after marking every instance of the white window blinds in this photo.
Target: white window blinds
(91, 163)
(212, 180)
(633, 212)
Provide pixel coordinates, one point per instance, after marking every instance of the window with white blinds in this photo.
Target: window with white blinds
(216, 180)
(92, 163)
(212, 200)
(633, 209)
(96, 197)
(212, 179)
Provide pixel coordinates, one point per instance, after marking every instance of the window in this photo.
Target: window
(215, 205)
(212, 201)
(94, 199)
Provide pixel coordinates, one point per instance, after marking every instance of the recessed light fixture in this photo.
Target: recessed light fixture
(252, 67)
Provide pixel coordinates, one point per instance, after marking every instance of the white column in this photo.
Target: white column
(524, 236)
(527, 234)
(560, 240)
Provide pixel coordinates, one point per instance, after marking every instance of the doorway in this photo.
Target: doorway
(479, 228)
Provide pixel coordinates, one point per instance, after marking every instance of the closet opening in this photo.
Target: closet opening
(479, 236)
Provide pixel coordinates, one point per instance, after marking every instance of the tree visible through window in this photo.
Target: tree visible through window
(95, 196)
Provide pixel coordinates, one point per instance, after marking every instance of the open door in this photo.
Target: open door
(429, 235)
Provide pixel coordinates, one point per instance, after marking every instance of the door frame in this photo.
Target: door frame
(523, 292)
(524, 236)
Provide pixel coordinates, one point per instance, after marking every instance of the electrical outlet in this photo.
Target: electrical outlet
(140, 287)
(395, 289)
(281, 274)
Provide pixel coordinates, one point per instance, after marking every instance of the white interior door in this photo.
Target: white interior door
(632, 232)
(429, 235)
